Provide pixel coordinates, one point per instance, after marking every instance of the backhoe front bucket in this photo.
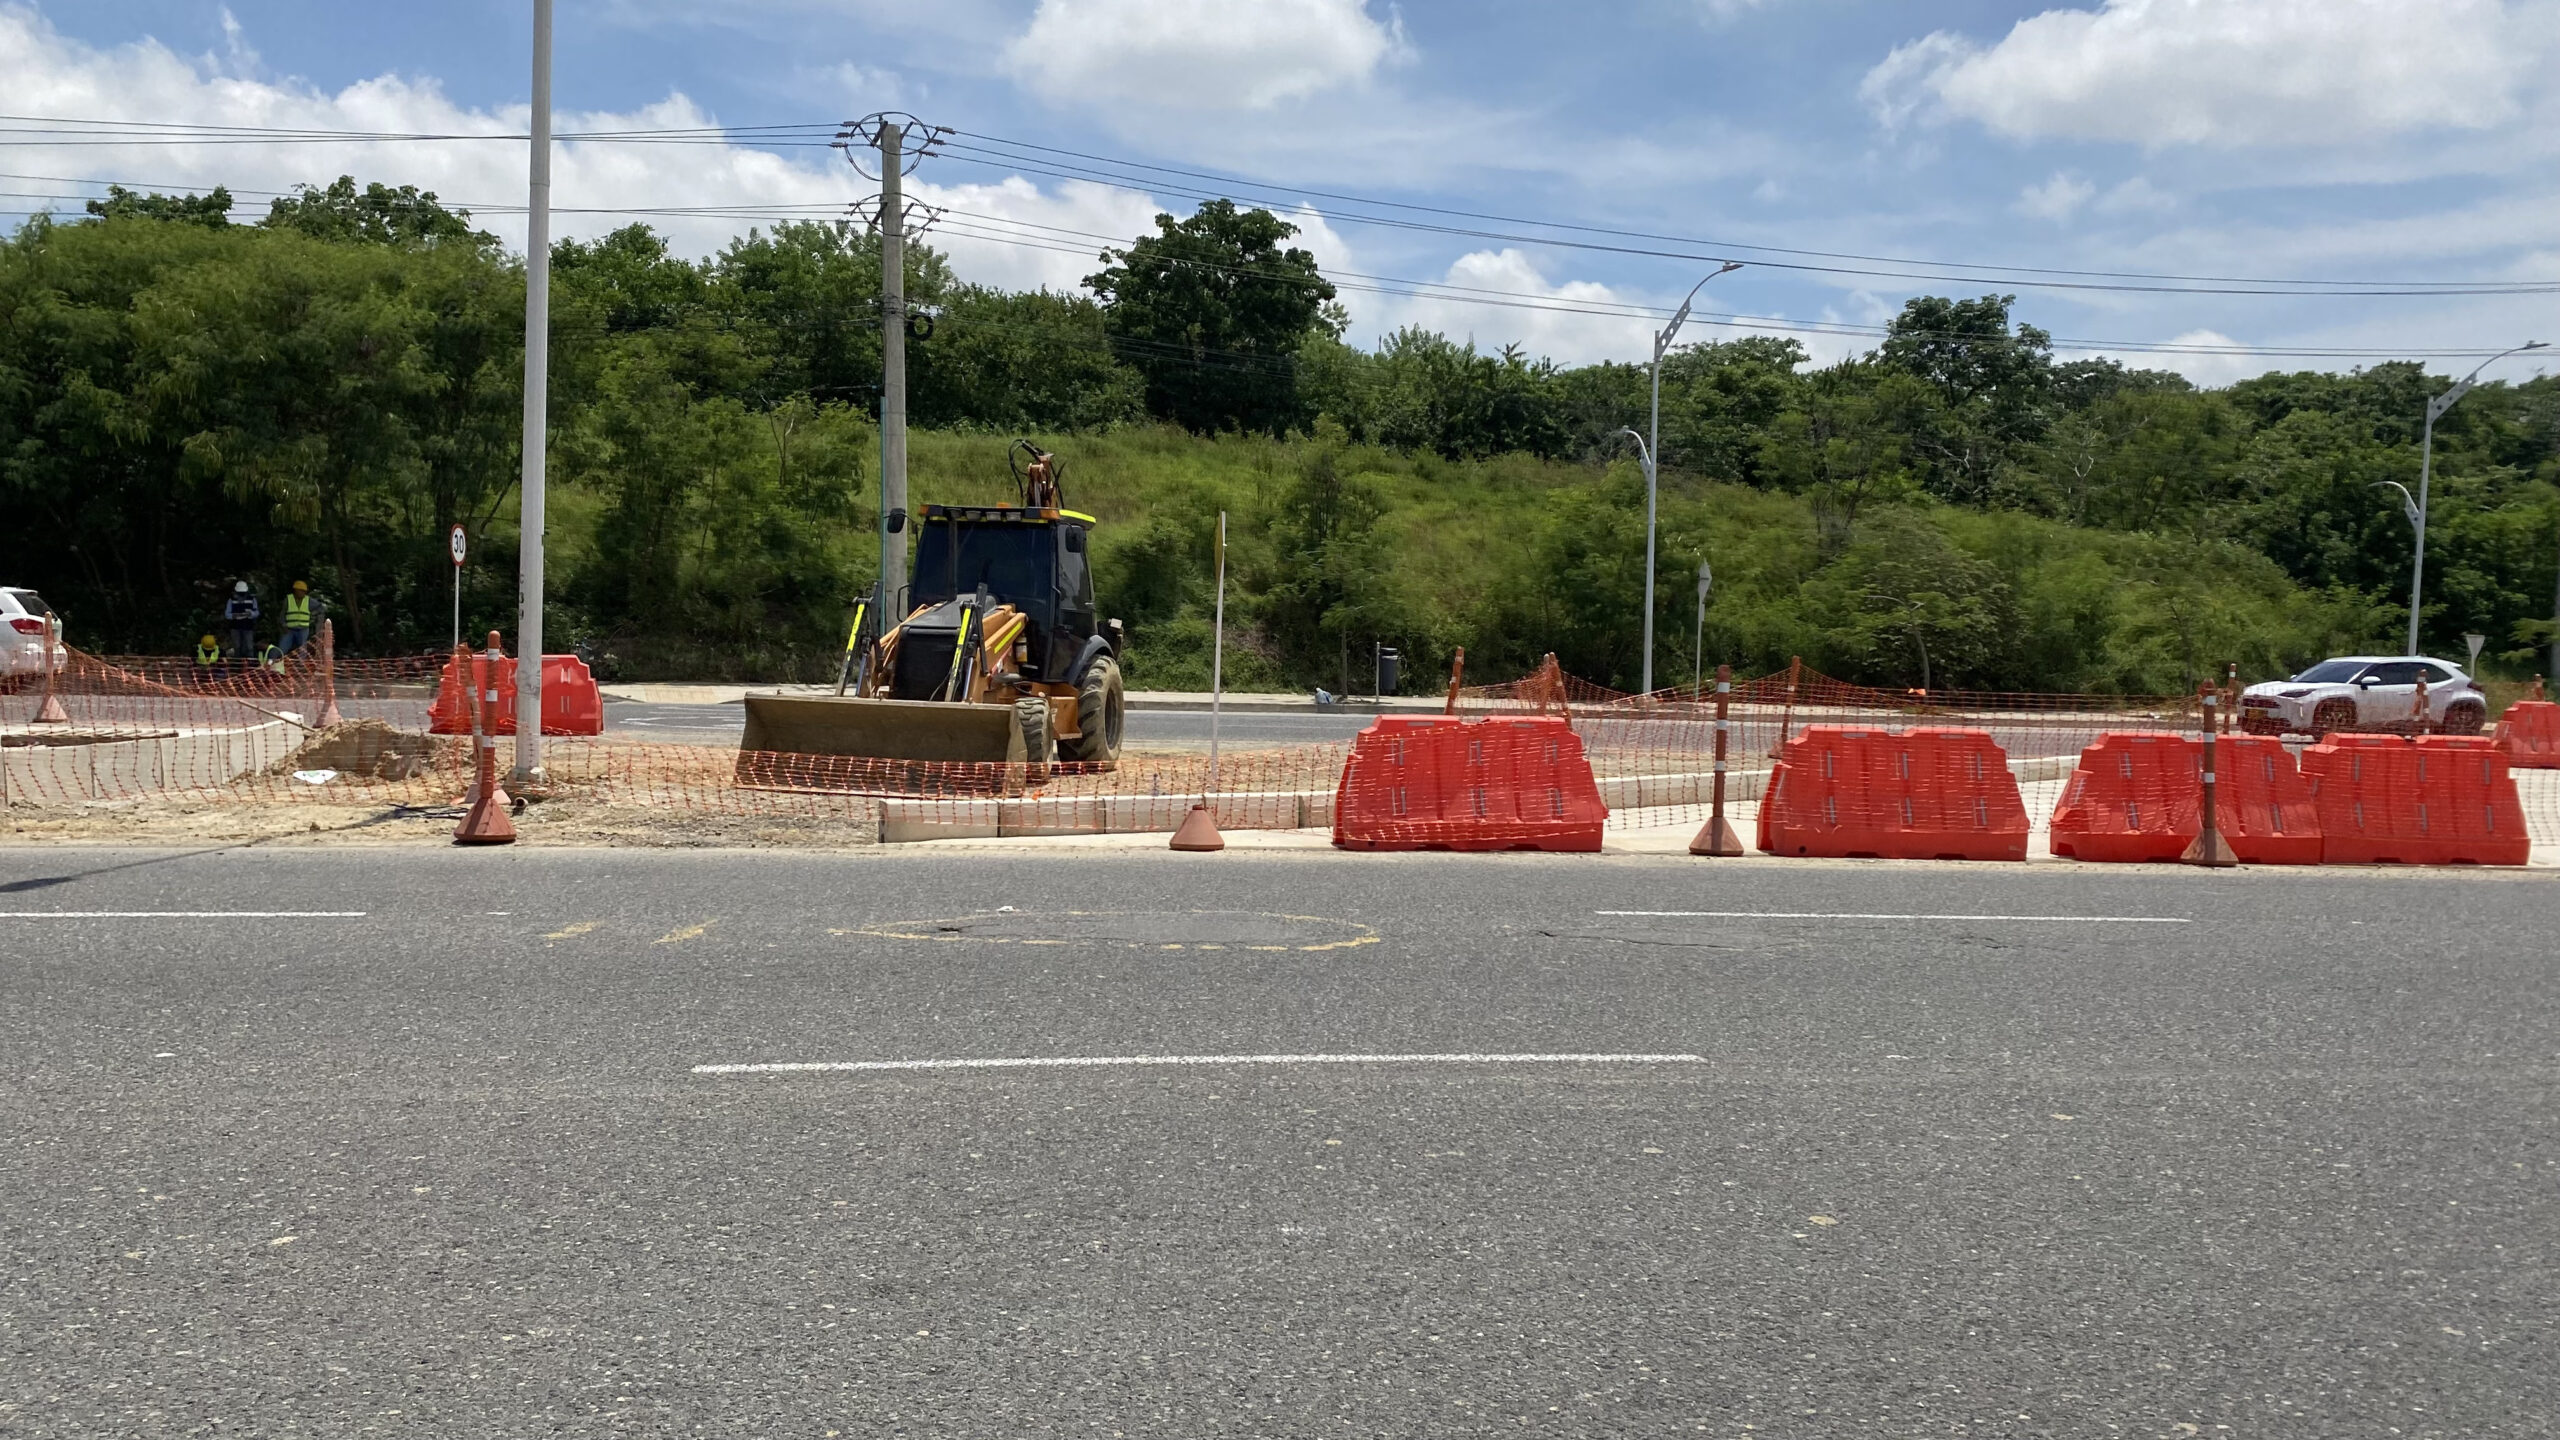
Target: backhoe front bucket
(886, 729)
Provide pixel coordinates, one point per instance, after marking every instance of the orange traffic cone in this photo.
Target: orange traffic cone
(1199, 831)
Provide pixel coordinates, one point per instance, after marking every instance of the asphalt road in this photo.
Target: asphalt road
(2288, 1168)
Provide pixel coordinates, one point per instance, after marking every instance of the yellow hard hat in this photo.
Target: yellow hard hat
(301, 587)
(208, 640)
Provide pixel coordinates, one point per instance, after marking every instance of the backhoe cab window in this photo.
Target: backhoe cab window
(1013, 561)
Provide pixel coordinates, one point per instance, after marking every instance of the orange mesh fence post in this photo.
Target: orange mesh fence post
(486, 823)
(2210, 849)
(1787, 719)
(1457, 679)
(50, 711)
(329, 717)
(1718, 838)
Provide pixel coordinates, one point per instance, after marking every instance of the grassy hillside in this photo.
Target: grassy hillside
(1514, 557)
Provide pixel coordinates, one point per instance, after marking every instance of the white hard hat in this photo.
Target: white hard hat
(240, 586)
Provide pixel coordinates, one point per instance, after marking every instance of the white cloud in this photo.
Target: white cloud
(2232, 72)
(1198, 54)
(1562, 334)
(595, 188)
(2136, 196)
(1722, 12)
(2057, 198)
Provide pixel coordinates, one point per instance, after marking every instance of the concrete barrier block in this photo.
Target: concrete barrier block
(1072, 815)
(1145, 814)
(902, 821)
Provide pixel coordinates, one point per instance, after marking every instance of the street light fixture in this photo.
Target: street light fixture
(2426, 466)
(1653, 448)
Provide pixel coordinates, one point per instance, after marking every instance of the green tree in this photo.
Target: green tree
(376, 215)
(211, 209)
(1212, 311)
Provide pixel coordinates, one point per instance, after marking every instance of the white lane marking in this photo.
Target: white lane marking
(1093, 1062)
(1854, 915)
(181, 914)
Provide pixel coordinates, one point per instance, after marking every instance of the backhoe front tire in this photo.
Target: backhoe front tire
(1102, 708)
(1039, 740)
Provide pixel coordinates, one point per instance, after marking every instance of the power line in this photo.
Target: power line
(996, 160)
(1002, 153)
(986, 229)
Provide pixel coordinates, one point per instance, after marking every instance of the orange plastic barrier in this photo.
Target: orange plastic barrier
(2529, 735)
(1433, 783)
(571, 704)
(2135, 797)
(2435, 800)
(1920, 794)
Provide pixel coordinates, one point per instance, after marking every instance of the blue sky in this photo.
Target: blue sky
(2363, 140)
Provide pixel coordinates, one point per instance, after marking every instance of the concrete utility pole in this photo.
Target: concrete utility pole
(2426, 467)
(537, 412)
(891, 138)
(1653, 453)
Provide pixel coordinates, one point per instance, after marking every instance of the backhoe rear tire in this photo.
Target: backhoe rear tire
(1102, 708)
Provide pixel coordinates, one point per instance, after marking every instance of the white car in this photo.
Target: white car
(22, 625)
(2365, 692)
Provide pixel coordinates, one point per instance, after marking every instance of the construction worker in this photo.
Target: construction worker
(241, 613)
(208, 657)
(297, 618)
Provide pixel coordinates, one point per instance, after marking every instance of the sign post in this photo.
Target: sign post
(459, 546)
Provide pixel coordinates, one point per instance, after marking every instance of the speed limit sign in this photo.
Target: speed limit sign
(456, 543)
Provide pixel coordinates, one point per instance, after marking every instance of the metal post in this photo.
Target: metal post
(1718, 838)
(537, 418)
(1652, 454)
(893, 367)
(2209, 849)
(2418, 566)
(1652, 487)
(1218, 653)
(2426, 465)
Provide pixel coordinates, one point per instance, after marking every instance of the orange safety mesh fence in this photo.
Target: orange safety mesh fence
(141, 726)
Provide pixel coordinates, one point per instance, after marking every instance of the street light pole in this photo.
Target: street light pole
(537, 417)
(1653, 448)
(2426, 467)
(1698, 654)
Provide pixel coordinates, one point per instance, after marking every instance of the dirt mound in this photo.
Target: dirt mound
(362, 749)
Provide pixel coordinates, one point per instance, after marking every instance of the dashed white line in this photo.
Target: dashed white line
(1100, 1062)
(181, 914)
(1861, 915)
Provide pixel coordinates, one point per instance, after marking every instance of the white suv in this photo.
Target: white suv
(2365, 692)
(22, 626)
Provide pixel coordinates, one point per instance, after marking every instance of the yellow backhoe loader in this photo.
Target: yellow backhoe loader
(998, 658)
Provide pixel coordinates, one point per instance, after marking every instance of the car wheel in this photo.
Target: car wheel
(1101, 713)
(2333, 715)
(2465, 717)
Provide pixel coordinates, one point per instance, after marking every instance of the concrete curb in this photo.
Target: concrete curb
(908, 821)
(123, 769)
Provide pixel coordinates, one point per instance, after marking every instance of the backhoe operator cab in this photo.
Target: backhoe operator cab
(999, 656)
